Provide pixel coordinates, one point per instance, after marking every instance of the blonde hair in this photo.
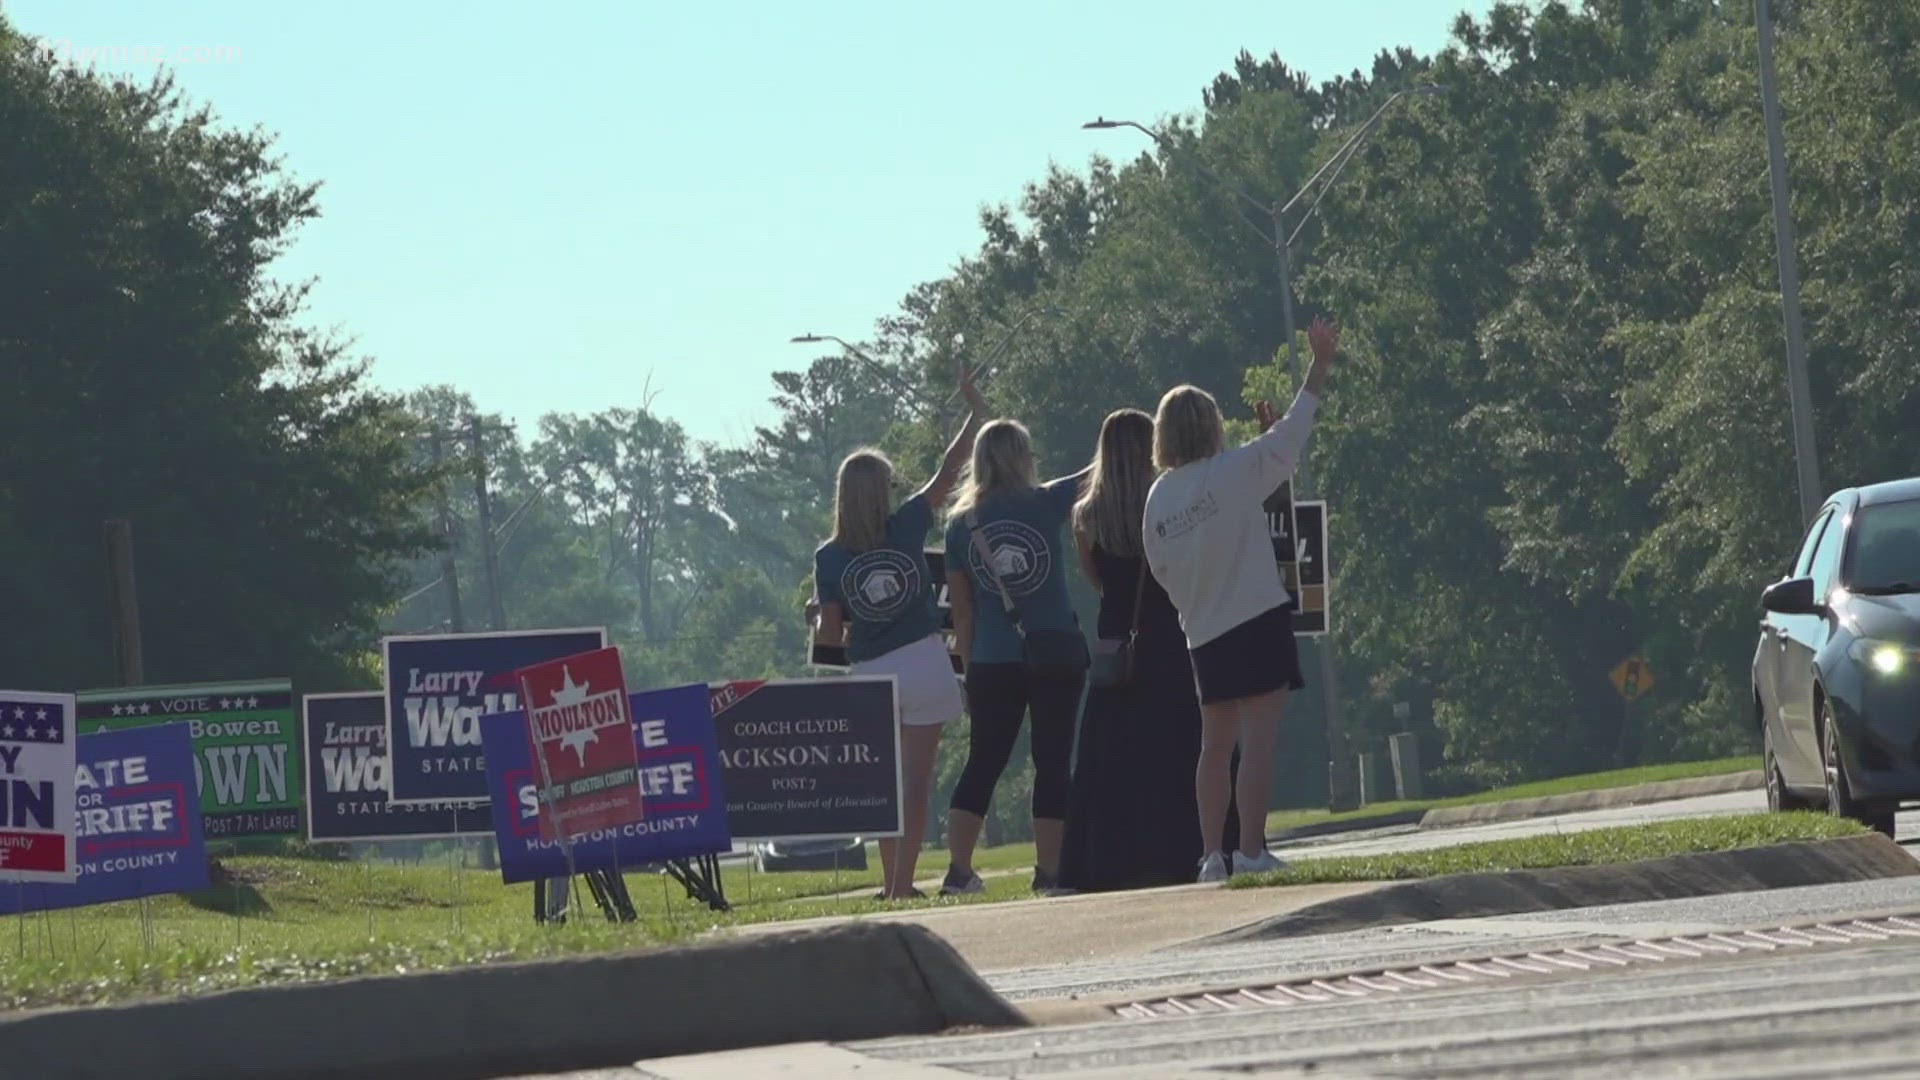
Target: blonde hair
(1002, 461)
(1109, 514)
(1187, 428)
(862, 494)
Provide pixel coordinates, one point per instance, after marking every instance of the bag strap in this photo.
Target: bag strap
(986, 559)
(1139, 597)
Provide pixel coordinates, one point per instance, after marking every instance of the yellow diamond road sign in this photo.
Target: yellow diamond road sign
(1633, 678)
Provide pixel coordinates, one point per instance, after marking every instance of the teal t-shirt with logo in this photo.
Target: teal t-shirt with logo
(1023, 531)
(885, 592)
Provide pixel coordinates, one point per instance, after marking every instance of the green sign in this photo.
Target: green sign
(246, 747)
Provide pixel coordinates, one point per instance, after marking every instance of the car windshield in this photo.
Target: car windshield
(1886, 549)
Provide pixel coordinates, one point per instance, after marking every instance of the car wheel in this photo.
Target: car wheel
(1840, 799)
(1780, 799)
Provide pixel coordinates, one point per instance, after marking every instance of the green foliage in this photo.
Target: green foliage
(153, 371)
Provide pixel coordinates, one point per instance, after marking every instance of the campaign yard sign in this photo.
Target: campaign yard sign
(438, 688)
(810, 757)
(347, 774)
(1299, 532)
(680, 781)
(582, 743)
(138, 821)
(246, 747)
(36, 786)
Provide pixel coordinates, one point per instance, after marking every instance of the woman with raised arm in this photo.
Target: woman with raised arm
(1130, 823)
(874, 598)
(1016, 630)
(1209, 543)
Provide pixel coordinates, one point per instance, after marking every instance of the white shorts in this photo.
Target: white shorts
(923, 676)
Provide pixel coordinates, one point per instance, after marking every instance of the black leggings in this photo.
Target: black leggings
(998, 696)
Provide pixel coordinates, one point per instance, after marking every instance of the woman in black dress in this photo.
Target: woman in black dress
(1129, 824)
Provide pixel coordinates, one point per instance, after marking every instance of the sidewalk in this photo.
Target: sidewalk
(1091, 926)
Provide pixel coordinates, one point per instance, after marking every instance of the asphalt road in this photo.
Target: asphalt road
(1850, 1009)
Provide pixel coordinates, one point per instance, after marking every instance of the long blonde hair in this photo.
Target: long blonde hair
(1002, 461)
(862, 494)
(1110, 512)
(1187, 428)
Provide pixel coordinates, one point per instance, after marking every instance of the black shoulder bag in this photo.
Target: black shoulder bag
(1113, 659)
(1043, 650)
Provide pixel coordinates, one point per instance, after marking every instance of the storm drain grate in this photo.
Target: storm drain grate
(1493, 969)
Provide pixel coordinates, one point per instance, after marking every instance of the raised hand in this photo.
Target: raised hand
(970, 392)
(1324, 337)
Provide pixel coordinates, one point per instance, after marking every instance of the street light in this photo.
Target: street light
(907, 392)
(1800, 395)
(1341, 794)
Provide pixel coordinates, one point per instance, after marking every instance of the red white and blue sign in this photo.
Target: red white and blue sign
(347, 774)
(137, 813)
(680, 783)
(36, 786)
(437, 690)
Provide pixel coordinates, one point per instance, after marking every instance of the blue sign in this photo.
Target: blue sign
(439, 687)
(680, 783)
(347, 775)
(137, 820)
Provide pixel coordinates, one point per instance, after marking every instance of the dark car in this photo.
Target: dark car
(1836, 679)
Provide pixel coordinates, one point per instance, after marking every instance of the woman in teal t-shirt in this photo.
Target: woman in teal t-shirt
(1004, 548)
(875, 598)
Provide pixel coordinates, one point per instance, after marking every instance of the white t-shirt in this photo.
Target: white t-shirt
(1206, 528)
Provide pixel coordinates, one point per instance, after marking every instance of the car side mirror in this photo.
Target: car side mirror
(1794, 596)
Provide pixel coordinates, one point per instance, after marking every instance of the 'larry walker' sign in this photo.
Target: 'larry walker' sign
(36, 786)
(138, 821)
(347, 773)
(246, 747)
(439, 687)
(680, 783)
(810, 757)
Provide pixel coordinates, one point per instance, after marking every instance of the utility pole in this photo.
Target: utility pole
(129, 661)
(496, 613)
(1799, 391)
(449, 571)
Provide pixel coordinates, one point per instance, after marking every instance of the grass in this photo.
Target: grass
(1686, 770)
(1596, 847)
(301, 920)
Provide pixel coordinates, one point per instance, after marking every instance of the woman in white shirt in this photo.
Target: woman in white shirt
(1208, 543)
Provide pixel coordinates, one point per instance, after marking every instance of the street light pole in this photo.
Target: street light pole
(1799, 392)
(1342, 790)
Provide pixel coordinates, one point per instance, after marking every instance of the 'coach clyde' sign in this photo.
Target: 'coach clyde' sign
(246, 747)
(810, 757)
(439, 687)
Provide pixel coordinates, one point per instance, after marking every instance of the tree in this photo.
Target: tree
(155, 371)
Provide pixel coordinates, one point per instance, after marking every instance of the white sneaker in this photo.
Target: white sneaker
(1258, 864)
(1213, 868)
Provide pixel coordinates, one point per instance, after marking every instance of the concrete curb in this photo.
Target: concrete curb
(1459, 896)
(1359, 824)
(1598, 799)
(859, 981)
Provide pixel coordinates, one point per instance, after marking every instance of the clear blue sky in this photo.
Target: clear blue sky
(546, 203)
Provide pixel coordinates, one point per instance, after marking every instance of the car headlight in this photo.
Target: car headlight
(1884, 657)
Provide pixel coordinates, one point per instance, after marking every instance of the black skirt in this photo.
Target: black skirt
(1257, 657)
